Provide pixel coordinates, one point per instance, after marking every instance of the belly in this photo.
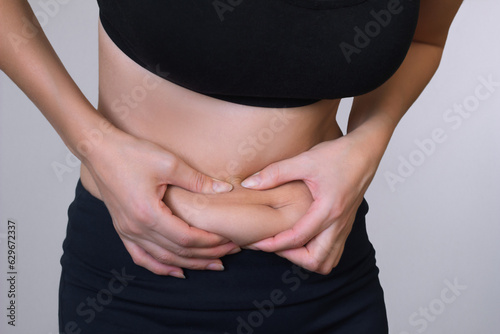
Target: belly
(221, 139)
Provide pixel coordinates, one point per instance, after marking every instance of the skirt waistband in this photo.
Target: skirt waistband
(94, 254)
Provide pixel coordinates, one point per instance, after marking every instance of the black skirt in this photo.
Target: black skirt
(103, 291)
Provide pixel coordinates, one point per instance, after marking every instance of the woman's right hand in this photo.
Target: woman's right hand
(132, 176)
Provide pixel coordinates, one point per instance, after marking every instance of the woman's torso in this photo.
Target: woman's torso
(230, 141)
(222, 139)
(307, 50)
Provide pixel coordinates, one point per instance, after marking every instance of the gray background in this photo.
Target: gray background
(438, 227)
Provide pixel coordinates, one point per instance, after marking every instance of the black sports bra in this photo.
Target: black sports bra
(268, 53)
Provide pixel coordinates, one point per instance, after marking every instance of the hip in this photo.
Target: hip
(103, 291)
(93, 251)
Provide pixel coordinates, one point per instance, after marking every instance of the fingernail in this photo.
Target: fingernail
(221, 187)
(215, 266)
(177, 274)
(251, 181)
(236, 250)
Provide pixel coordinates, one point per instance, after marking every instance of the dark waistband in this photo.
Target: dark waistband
(93, 253)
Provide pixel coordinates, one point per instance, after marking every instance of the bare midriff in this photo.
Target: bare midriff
(224, 140)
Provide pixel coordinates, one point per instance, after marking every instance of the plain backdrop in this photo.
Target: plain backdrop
(434, 203)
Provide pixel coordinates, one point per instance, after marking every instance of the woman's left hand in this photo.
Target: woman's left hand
(337, 172)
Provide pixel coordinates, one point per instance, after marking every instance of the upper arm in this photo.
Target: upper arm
(434, 20)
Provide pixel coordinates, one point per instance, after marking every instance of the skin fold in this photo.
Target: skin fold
(243, 216)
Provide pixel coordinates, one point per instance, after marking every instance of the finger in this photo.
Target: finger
(327, 247)
(194, 252)
(326, 250)
(163, 256)
(307, 227)
(314, 257)
(174, 229)
(184, 176)
(321, 254)
(276, 174)
(327, 260)
(299, 256)
(143, 259)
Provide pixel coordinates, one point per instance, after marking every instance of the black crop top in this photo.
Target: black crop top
(268, 53)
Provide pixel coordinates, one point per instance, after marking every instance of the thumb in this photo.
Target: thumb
(274, 175)
(188, 178)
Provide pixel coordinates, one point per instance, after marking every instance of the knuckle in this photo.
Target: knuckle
(299, 240)
(171, 164)
(126, 228)
(197, 181)
(138, 261)
(131, 230)
(275, 172)
(183, 252)
(336, 210)
(184, 240)
(141, 213)
(325, 270)
(313, 264)
(165, 257)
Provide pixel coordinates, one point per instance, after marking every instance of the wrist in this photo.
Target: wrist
(372, 135)
(88, 137)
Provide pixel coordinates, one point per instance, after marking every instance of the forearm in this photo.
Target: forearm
(375, 115)
(28, 58)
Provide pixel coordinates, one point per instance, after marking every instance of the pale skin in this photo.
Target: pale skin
(138, 154)
(243, 216)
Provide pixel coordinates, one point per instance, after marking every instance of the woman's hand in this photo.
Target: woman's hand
(132, 176)
(337, 173)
